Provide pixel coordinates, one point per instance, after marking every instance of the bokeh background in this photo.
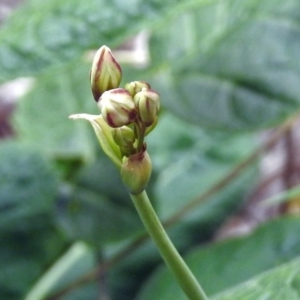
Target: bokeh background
(225, 153)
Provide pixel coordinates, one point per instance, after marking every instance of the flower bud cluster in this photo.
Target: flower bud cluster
(131, 113)
(121, 107)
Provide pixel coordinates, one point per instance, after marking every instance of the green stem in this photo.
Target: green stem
(172, 258)
(140, 130)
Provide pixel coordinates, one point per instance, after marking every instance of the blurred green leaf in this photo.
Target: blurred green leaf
(42, 115)
(280, 283)
(28, 185)
(29, 238)
(88, 291)
(93, 218)
(103, 178)
(231, 64)
(25, 253)
(78, 260)
(97, 210)
(226, 264)
(41, 35)
(191, 160)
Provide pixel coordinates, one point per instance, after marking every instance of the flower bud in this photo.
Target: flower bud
(136, 86)
(136, 172)
(124, 137)
(148, 103)
(117, 107)
(105, 74)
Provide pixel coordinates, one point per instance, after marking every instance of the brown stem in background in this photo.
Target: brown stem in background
(290, 160)
(6, 110)
(291, 176)
(104, 266)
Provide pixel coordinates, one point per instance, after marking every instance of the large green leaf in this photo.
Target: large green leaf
(211, 81)
(25, 253)
(78, 260)
(277, 284)
(42, 34)
(97, 210)
(29, 238)
(28, 186)
(226, 264)
(190, 160)
(97, 220)
(233, 64)
(42, 115)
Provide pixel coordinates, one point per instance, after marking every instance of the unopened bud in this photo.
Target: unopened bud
(106, 73)
(136, 172)
(148, 103)
(117, 107)
(136, 86)
(124, 137)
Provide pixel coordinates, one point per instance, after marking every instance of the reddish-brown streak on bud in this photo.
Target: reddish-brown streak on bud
(119, 91)
(110, 121)
(117, 64)
(132, 114)
(97, 75)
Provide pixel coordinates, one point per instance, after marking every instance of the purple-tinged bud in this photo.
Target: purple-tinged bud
(117, 107)
(106, 73)
(147, 102)
(136, 86)
(136, 172)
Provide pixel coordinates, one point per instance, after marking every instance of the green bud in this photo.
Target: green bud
(136, 172)
(117, 107)
(148, 103)
(105, 74)
(124, 137)
(136, 86)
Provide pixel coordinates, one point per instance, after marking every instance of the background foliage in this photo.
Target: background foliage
(225, 70)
